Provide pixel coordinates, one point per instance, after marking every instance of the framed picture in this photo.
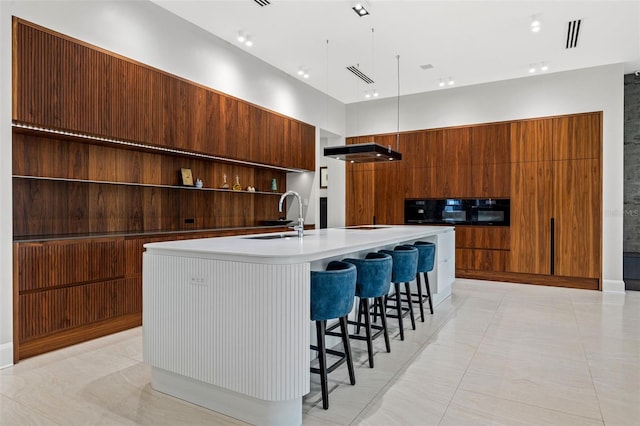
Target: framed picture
(324, 177)
(187, 177)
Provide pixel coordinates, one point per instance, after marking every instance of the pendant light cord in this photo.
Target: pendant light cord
(398, 108)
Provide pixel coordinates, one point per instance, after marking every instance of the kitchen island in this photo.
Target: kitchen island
(226, 320)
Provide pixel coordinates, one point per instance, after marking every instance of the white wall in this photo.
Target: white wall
(335, 191)
(592, 89)
(147, 33)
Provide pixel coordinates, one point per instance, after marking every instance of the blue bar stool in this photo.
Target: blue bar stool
(426, 260)
(374, 282)
(405, 265)
(332, 295)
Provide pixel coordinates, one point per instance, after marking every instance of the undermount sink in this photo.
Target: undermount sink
(272, 237)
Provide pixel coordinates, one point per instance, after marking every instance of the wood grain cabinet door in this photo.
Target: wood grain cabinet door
(531, 140)
(577, 214)
(577, 136)
(389, 193)
(531, 212)
(360, 196)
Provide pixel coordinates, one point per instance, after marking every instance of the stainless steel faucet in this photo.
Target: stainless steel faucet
(300, 226)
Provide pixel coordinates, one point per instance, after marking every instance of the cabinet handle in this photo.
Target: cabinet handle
(552, 244)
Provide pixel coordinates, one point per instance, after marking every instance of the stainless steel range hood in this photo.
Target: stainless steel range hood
(362, 153)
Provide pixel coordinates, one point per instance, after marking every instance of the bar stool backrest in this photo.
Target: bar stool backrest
(333, 291)
(374, 275)
(405, 263)
(426, 255)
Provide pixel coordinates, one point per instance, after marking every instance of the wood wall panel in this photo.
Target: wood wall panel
(531, 140)
(63, 83)
(491, 143)
(577, 136)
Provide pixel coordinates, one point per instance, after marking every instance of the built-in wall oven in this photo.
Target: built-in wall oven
(489, 212)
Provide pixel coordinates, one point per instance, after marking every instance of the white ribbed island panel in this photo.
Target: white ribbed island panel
(239, 326)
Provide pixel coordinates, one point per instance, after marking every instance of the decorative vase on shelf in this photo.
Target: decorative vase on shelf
(274, 184)
(237, 186)
(225, 184)
(199, 183)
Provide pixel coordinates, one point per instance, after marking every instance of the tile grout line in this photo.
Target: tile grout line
(586, 358)
(408, 362)
(470, 361)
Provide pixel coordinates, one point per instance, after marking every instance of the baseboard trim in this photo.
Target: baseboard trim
(613, 286)
(6, 355)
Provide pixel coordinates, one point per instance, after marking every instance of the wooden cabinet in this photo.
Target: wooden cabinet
(482, 248)
(532, 140)
(360, 201)
(556, 213)
(490, 161)
(577, 215)
(549, 168)
(531, 213)
(64, 84)
(128, 129)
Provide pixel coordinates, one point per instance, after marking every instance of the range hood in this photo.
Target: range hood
(362, 153)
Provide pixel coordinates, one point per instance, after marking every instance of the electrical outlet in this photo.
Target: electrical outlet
(198, 280)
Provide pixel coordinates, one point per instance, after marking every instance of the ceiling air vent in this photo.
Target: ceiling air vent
(426, 66)
(362, 76)
(262, 2)
(573, 30)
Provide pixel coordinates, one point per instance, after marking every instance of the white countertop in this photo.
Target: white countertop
(316, 244)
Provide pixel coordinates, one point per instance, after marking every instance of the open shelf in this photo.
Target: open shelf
(148, 185)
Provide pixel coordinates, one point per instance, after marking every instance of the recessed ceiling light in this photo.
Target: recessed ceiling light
(535, 24)
(544, 67)
(532, 69)
(248, 42)
(241, 37)
(360, 9)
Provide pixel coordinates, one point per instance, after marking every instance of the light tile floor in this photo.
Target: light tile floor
(493, 353)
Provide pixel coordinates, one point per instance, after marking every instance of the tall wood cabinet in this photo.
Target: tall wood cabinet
(550, 169)
(556, 220)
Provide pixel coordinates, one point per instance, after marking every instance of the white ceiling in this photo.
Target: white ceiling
(471, 42)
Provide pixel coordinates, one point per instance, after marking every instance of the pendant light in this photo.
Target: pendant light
(369, 152)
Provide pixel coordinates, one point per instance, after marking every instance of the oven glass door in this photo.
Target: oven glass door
(454, 211)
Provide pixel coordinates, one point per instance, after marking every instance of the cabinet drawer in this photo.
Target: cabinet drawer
(482, 260)
(483, 237)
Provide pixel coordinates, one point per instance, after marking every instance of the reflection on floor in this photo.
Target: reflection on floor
(493, 353)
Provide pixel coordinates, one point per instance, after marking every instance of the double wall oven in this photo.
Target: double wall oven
(457, 211)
